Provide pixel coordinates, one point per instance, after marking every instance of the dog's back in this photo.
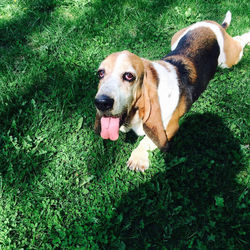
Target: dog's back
(196, 58)
(197, 51)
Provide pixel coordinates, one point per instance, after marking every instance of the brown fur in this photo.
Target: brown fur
(137, 63)
(232, 49)
(173, 124)
(149, 108)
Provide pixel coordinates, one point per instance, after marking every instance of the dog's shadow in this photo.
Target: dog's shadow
(194, 200)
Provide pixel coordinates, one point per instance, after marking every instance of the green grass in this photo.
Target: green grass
(62, 186)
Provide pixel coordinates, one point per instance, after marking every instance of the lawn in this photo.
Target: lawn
(62, 186)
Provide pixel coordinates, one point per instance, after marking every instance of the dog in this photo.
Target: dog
(150, 97)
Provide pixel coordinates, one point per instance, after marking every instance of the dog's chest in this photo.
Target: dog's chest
(136, 124)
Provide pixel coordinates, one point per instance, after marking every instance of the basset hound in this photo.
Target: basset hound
(150, 97)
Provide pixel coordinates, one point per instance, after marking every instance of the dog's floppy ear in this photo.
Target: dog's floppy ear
(97, 126)
(149, 108)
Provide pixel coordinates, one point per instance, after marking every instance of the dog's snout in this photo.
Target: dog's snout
(104, 103)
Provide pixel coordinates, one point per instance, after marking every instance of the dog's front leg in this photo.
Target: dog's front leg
(139, 159)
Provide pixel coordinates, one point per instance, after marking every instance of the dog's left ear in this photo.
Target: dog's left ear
(97, 126)
(149, 108)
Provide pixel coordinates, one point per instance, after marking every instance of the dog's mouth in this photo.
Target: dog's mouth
(110, 126)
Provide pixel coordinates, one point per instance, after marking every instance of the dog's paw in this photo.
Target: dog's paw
(138, 160)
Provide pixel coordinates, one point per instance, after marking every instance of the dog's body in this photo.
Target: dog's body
(150, 97)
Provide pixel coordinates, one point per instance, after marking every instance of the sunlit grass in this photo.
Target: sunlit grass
(10, 10)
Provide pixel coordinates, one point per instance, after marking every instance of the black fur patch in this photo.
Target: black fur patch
(201, 48)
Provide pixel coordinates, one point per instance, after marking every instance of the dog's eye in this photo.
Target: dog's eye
(127, 76)
(100, 73)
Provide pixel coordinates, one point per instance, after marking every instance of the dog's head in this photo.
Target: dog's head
(120, 76)
(128, 81)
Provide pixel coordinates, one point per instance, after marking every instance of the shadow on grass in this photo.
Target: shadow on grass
(195, 203)
(22, 156)
(14, 37)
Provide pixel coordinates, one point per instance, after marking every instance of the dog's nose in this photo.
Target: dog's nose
(104, 102)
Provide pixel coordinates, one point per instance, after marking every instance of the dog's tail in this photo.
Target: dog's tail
(227, 20)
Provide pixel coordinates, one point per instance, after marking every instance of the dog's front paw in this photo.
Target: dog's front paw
(138, 160)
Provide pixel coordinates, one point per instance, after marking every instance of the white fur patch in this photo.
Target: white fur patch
(123, 64)
(218, 34)
(168, 91)
(137, 125)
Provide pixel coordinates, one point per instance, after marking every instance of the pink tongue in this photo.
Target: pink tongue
(110, 128)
